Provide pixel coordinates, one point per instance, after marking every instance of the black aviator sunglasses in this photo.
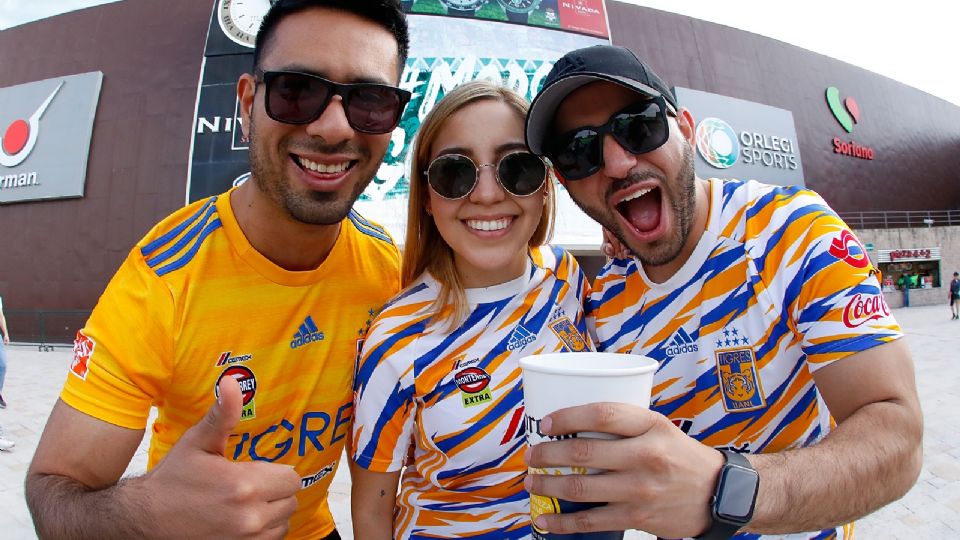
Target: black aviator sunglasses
(638, 128)
(300, 98)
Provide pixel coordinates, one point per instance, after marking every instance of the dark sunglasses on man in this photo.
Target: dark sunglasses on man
(300, 98)
(454, 176)
(638, 128)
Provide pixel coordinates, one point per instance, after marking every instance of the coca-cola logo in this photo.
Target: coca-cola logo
(862, 308)
(472, 380)
(841, 249)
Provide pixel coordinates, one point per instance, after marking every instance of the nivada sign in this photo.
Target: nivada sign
(741, 139)
(46, 128)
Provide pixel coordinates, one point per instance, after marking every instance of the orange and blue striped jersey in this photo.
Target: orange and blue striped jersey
(455, 395)
(194, 302)
(777, 288)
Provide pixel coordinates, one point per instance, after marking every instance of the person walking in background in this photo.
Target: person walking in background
(785, 401)
(440, 365)
(5, 443)
(239, 316)
(3, 353)
(955, 295)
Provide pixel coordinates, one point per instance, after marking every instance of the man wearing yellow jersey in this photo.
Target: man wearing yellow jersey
(239, 317)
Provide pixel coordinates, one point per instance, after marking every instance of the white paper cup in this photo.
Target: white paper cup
(560, 380)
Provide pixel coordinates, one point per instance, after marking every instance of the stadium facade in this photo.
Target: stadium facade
(110, 120)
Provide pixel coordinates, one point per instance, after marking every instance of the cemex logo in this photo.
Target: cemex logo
(847, 113)
(45, 132)
(20, 136)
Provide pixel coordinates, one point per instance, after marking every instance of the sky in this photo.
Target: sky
(915, 46)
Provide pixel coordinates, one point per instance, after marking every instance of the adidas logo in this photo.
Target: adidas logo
(306, 334)
(520, 338)
(682, 343)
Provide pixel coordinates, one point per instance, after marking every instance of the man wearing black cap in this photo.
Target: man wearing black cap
(785, 400)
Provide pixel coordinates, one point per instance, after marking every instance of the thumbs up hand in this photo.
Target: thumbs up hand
(196, 492)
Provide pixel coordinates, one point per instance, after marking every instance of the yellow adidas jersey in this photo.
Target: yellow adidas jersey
(194, 302)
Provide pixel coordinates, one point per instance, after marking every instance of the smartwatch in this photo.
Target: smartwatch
(732, 504)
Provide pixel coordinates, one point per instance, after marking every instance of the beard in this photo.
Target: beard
(310, 207)
(682, 196)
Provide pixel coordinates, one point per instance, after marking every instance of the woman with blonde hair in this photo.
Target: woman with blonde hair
(438, 395)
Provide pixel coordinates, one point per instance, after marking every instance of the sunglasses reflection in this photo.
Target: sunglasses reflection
(455, 176)
(300, 98)
(639, 128)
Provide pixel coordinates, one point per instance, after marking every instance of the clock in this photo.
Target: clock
(519, 10)
(462, 8)
(240, 19)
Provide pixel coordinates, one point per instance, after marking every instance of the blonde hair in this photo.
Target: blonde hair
(425, 249)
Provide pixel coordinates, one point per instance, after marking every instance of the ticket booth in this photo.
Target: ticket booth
(911, 275)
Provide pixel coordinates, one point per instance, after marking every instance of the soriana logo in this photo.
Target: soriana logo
(847, 113)
(45, 131)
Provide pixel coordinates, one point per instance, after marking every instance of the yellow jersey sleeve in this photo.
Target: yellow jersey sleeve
(132, 320)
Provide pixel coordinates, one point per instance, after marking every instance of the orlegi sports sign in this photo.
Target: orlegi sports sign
(46, 128)
(742, 139)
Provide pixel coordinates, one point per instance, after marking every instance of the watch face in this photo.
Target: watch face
(520, 5)
(463, 4)
(240, 19)
(738, 493)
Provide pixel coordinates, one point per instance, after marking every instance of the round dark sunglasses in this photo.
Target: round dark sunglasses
(454, 176)
(639, 128)
(300, 98)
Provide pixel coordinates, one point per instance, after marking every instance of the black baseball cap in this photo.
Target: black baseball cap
(584, 66)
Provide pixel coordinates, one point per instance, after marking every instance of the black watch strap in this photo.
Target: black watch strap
(457, 12)
(722, 529)
(517, 16)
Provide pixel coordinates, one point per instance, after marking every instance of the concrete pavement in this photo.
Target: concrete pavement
(931, 510)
